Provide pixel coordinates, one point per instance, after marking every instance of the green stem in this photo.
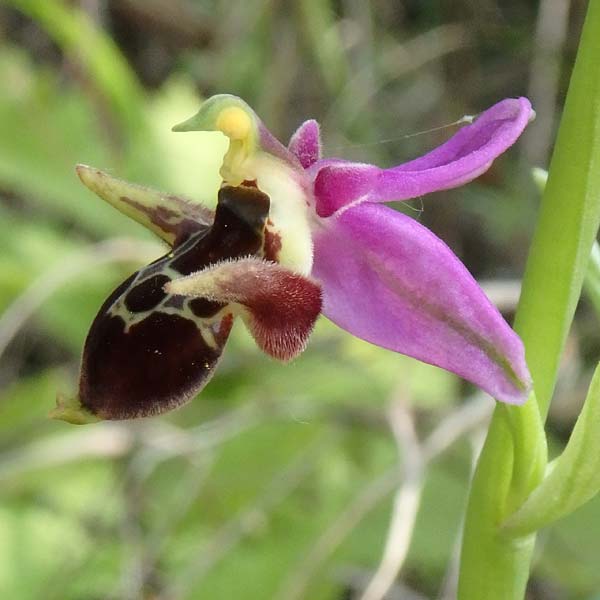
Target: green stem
(512, 463)
(568, 220)
(493, 565)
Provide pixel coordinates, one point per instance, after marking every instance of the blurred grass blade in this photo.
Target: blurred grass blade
(78, 36)
(326, 44)
(574, 477)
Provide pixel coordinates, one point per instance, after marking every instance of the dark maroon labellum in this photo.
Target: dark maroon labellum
(147, 351)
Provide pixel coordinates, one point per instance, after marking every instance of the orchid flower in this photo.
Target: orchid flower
(295, 235)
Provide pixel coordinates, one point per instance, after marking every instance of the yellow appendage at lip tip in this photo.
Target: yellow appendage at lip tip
(235, 123)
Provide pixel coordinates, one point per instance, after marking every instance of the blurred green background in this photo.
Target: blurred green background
(278, 481)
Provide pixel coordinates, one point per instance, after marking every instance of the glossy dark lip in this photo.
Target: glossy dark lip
(165, 357)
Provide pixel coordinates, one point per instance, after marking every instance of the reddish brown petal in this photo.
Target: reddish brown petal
(171, 217)
(280, 307)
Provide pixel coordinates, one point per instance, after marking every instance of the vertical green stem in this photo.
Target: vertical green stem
(512, 462)
(568, 220)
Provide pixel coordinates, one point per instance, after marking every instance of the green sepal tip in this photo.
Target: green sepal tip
(71, 411)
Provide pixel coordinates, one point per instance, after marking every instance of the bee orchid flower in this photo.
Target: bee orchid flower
(295, 235)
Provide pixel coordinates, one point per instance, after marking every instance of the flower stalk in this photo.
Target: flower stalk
(495, 563)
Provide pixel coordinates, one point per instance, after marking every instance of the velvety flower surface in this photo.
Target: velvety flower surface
(294, 235)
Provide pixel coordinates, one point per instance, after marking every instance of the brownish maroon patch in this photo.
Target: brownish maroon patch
(272, 243)
(283, 313)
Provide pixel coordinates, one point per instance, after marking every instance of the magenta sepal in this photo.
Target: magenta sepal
(388, 280)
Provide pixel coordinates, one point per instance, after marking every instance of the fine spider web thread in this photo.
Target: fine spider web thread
(466, 119)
